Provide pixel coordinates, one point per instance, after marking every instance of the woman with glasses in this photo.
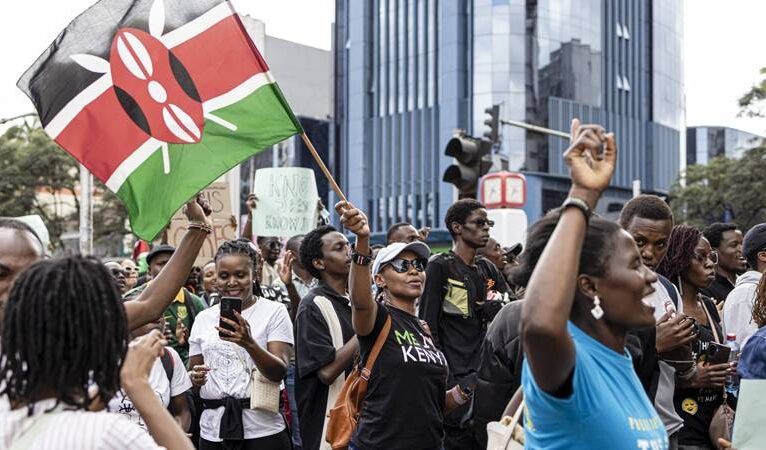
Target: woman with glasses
(690, 265)
(406, 396)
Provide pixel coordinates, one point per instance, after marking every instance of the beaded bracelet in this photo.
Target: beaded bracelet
(200, 226)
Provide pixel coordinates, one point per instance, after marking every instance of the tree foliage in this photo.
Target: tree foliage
(38, 177)
(750, 104)
(724, 186)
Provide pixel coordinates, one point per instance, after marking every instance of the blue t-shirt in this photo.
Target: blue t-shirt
(608, 408)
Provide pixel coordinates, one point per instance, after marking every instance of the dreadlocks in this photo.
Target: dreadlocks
(244, 247)
(683, 240)
(64, 331)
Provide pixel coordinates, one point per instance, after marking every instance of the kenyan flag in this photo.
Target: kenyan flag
(158, 99)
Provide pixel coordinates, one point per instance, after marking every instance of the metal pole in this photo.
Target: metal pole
(536, 128)
(86, 211)
(2, 121)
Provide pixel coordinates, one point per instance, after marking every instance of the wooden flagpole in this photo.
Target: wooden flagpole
(321, 165)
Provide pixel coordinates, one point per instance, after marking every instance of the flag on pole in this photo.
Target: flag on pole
(158, 98)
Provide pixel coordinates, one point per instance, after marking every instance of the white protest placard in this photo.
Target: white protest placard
(287, 201)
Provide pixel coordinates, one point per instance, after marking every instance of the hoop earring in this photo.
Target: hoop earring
(597, 312)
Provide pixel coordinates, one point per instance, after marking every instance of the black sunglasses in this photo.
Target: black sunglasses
(483, 222)
(403, 265)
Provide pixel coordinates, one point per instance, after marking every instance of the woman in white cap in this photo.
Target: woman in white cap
(406, 395)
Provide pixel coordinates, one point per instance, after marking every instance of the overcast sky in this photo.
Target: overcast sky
(724, 47)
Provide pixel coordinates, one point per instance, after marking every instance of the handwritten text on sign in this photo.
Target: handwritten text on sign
(217, 195)
(287, 201)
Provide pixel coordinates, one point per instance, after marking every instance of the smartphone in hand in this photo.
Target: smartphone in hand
(228, 306)
(717, 353)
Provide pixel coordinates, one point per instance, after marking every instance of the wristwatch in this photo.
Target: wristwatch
(361, 260)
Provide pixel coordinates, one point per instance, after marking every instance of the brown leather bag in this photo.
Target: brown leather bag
(345, 414)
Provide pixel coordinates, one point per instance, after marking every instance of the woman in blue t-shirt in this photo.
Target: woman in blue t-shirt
(586, 290)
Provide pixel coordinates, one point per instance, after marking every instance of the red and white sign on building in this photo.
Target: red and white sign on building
(503, 190)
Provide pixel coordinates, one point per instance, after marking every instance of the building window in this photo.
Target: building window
(622, 83)
(622, 31)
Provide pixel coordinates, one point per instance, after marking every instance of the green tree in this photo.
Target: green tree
(38, 177)
(750, 104)
(738, 186)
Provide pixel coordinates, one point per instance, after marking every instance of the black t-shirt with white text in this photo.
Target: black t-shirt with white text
(696, 406)
(404, 404)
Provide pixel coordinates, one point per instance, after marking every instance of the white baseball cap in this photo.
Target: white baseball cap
(390, 252)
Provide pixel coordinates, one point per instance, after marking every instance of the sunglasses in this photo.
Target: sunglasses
(403, 265)
(713, 257)
(481, 223)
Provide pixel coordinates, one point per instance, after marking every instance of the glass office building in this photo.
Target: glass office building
(410, 72)
(706, 143)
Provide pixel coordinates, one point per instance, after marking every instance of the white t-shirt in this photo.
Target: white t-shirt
(660, 296)
(82, 430)
(164, 389)
(663, 398)
(231, 365)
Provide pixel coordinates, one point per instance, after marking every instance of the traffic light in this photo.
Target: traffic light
(470, 164)
(493, 124)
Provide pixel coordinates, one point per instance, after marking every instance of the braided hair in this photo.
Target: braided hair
(683, 240)
(64, 331)
(759, 305)
(244, 247)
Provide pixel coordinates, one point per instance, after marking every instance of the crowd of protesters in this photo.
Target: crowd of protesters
(606, 329)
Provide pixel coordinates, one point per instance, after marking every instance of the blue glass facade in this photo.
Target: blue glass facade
(706, 143)
(409, 72)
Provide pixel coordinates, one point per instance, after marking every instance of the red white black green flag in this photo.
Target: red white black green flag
(158, 99)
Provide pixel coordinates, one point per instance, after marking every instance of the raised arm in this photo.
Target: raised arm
(247, 231)
(160, 293)
(551, 289)
(286, 275)
(363, 306)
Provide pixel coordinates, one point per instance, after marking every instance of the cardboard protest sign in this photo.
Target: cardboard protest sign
(217, 194)
(287, 201)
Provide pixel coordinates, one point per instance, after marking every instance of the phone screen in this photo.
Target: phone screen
(228, 306)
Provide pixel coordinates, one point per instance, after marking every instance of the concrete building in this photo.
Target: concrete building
(304, 75)
(706, 143)
(409, 72)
